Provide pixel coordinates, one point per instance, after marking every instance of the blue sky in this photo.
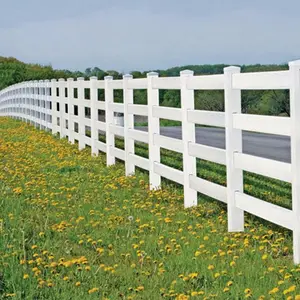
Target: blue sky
(128, 35)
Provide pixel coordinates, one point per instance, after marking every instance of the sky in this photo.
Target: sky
(127, 35)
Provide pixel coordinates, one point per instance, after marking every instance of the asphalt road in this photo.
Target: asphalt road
(271, 146)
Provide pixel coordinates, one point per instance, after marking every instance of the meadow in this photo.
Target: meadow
(71, 228)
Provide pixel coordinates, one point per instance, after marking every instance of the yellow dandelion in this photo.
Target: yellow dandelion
(274, 291)
(93, 290)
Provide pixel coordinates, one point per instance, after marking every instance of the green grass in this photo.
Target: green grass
(71, 228)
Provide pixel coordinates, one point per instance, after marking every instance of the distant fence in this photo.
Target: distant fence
(61, 106)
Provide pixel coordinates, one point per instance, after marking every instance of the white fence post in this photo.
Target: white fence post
(81, 113)
(94, 114)
(188, 136)
(128, 124)
(153, 128)
(54, 106)
(70, 88)
(61, 90)
(295, 153)
(109, 120)
(233, 144)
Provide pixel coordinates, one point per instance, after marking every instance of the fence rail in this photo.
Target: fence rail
(61, 107)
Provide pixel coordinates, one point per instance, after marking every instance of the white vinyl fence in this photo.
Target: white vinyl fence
(52, 105)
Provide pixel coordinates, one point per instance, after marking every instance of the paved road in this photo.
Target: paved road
(265, 145)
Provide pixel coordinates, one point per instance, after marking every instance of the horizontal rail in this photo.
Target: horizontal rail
(268, 211)
(265, 124)
(119, 153)
(116, 84)
(138, 109)
(138, 135)
(168, 172)
(116, 107)
(100, 84)
(210, 118)
(208, 188)
(138, 83)
(166, 83)
(139, 161)
(101, 146)
(262, 80)
(87, 140)
(263, 166)
(117, 130)
(213, 154)
(169, 113)
(100, 105)
(101, 125)
(209, 82)
(168, 143)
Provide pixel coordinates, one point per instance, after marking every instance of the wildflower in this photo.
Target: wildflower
(289, 290)
(232, 263)
(130, 218)
(66, 278)
(140, 288)
(229, 283)
(93, 290)
(274, 291)
(25, 276)
(225, 290)
(77, 283)
(264, 257)
(247, 291)
(210, 267)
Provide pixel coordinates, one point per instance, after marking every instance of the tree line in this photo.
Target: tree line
(274, 102)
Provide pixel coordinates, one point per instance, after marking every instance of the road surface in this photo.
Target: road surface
(265, 145)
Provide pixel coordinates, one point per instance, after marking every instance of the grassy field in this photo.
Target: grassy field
(72, 228)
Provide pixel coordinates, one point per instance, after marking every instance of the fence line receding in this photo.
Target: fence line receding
(61, 107)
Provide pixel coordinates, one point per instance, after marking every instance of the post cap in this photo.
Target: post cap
(152, 74)
(70, 79)
(232, 69)
(61, 79)
(294, 63)
(108, 78)
(127, 76)
(80, 78)
(186, 72)
(93, 78)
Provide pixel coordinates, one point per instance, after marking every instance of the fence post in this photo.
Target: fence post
(153, 128)
(188, 136)
(128, 124)
(54, 106)
(40, 97)
(81, 112)
(294, 67)
(109, 119)
(94, 114)
(70, 88)
(61, 102)
(233, 144)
